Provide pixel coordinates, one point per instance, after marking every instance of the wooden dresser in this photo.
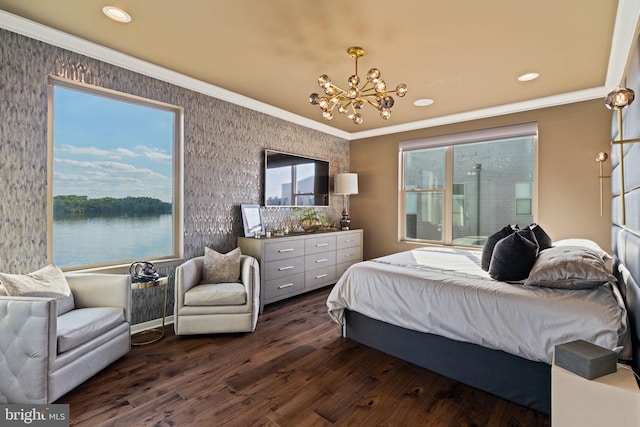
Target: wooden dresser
(300, 262)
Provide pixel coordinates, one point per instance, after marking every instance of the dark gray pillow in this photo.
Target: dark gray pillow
(513, 256)
(543, 239)
(489, 245)
(569, 267)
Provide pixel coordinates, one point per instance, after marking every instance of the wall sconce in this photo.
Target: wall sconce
(345, 184)
(617, 100)
(601, 157)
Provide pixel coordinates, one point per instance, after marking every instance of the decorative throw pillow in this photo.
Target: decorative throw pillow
(585, 243)
(489, 245)
(569, 267)
(543, 239)
(513, 256)
(48, 282)
(221, 268)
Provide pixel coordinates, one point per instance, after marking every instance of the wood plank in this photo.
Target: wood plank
(294, 370)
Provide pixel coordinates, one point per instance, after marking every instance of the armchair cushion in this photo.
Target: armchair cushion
(216, 294)
(82, 325)
(48, 282)
(221, 268)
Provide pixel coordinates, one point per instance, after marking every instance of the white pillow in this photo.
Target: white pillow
(48, 282)
(585, 243)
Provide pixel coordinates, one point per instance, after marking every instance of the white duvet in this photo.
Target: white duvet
(445, 292)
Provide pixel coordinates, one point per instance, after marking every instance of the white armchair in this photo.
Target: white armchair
(43, 355)
(216, 308)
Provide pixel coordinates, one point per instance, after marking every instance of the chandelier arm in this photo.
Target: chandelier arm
(373, 104)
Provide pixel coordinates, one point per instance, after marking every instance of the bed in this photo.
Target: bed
(437, 308)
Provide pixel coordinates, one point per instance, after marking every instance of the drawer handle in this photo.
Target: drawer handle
(348, 241)
(321, 276)
(319, 245)
(285, 286)
(348, 255)
(289, 267)
(286, 250)
(318, 261)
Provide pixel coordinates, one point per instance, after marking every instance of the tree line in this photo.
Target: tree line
(128, 206)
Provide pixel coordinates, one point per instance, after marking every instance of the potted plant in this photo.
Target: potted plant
(310, 219)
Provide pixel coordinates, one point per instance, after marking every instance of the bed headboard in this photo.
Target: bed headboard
(625, 238)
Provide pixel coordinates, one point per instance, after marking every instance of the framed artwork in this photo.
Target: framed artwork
(252, 220)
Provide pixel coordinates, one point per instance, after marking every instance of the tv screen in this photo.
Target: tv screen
(292, 180)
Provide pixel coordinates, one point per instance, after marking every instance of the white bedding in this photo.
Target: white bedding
(445, 292)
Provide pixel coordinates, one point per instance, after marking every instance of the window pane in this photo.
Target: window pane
(488, 171)
(424, 169)
(113, 179)
(523, 207)
(424, 216)
(523, 190)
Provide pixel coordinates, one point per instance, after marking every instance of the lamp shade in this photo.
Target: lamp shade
(345, 183)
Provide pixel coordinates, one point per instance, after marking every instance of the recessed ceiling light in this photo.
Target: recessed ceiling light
(422, 102)
(528, 76)
(116, 14)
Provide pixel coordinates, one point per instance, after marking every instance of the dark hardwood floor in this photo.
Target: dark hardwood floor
(294, 370)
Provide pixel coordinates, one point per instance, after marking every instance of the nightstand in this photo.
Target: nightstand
(610, 400)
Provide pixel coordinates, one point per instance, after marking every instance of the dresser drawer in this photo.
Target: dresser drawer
(283, 267)
(320, 277)
(319, 260)
(282, 286)
(349, 255)
(349, 240)
(281, 250)
(319, 244)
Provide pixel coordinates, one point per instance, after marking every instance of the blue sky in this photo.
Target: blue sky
(110, 148)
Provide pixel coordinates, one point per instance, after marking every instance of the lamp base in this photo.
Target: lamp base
(345, 221)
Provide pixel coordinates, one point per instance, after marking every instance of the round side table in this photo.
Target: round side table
(153, 334)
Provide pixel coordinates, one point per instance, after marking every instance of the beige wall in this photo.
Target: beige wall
(568, 188)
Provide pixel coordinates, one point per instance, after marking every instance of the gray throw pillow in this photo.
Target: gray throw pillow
(48, 282)
(569, 267)
(221, 268)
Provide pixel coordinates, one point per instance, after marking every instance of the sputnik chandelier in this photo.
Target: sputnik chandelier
(373, 91)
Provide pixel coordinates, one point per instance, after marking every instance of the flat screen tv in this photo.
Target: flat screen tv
(293, 180)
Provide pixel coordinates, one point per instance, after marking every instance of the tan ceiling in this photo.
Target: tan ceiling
(464, 54)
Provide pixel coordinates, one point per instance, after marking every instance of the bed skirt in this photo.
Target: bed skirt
(510, 377)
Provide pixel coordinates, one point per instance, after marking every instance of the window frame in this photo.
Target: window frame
(121, 266)
(448, 141)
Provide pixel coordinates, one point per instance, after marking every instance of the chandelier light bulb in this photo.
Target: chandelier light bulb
(324, 103)
(324, 81)
(373, 91)
(373, 75)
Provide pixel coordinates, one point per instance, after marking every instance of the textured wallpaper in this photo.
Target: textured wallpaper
(223, 157)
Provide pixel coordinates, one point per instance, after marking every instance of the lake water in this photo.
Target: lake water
(85, 241)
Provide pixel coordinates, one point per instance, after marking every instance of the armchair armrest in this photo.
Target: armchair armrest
(27, 348)
(101, 290)
(250, 277)
(188, 275)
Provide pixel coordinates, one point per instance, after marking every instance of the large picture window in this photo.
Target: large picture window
(459, 189)
(115, 177)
